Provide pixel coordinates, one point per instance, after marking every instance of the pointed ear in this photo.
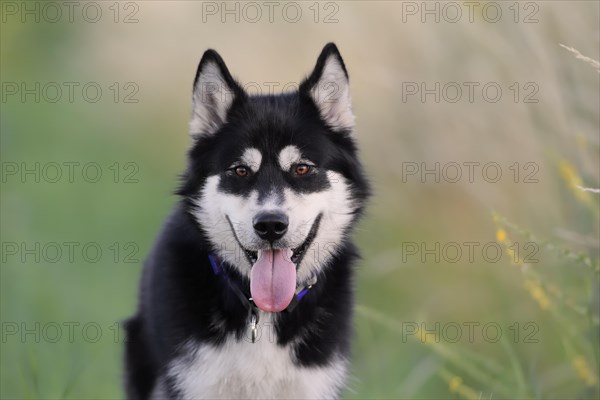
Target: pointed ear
(329, 88)
(214, 92)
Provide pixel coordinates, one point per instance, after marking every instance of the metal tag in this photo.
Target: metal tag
(254, 330)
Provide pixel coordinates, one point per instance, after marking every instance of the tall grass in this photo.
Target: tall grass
(572, 307)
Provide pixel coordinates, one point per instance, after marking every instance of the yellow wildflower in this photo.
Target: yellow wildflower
(501, 235)
(567, 171)
(583, 370)
(538, 294)
(455, 383)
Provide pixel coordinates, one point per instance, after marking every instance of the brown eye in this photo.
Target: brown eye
(241, 171)
(301, 169)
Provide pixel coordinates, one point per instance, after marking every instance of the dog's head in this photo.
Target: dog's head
(274, 180)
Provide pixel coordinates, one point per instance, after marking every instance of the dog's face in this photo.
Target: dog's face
(274, 181)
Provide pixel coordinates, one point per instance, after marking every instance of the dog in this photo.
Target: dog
(248, 290)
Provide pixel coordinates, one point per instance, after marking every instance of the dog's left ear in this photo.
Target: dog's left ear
(329, 88)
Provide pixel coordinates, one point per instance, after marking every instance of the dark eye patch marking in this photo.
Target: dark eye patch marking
(275, 172)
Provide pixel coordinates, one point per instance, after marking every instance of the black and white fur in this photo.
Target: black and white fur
(189, 337)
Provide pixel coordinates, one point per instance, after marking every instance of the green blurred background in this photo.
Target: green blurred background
(60, 311)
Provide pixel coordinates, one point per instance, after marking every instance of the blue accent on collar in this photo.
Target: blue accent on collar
(215, 264)
(303, 292)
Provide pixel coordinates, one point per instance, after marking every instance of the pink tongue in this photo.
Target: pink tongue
(273, 280)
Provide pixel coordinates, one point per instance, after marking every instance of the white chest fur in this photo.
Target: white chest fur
(261, 370)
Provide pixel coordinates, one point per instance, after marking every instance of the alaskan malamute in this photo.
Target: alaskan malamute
(248, 292)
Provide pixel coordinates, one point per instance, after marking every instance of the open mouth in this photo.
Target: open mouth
(297, 254)
(273, 273)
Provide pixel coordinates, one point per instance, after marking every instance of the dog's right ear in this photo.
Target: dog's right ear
(215, 90)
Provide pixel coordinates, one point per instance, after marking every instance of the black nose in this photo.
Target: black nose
(270, 225)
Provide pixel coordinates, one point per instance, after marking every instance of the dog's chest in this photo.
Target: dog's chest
(261, 370)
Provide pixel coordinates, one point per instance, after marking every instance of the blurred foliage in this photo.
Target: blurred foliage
(547, 310)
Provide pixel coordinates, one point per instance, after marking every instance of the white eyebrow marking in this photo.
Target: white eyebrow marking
(288, 156)
(252, 158)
